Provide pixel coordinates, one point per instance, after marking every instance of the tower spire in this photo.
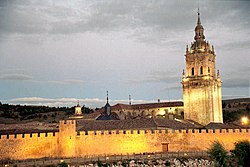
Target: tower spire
(107, 96)
(129, 98)
(199, 30)
(199, 20)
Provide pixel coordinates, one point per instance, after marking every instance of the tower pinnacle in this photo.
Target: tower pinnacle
(199, 20)
(199, 30)
(107, 96)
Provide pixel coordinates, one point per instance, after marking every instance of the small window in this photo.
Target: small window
(208, 70)
(201, 70)
(193, 71)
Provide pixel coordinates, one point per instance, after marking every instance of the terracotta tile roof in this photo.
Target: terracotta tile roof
(214, 125)
(173, 124)
(87, 125)
(94, 115)
(147, 105)
(104, 116)
(32, 127)
(152, 123)
(26, 131)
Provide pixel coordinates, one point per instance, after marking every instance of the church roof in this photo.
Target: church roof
(147, 105)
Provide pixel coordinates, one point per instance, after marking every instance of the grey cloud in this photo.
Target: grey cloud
(172, 87)
(24, 77)
(236, 45)
(66, 82)
(21, 20)
(151, 19)
(18, 77)
(236, 83)
(237, 78)
(159, 76)
(59, 82)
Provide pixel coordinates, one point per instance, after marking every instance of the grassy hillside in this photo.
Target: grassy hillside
(234, 109)
(17, 113)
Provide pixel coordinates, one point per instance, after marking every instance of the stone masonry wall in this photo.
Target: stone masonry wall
(129, 142)
(23, 146)
(113, 142)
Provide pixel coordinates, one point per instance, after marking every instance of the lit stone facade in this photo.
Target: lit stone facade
(201, 84)
(78, 112)
(78, 109)
(168, 110)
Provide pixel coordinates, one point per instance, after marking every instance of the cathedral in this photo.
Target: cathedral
(201, 84)
(202, 101)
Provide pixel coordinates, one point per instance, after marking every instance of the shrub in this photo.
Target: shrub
(51, 165)
(218, 153)
(63, 164)
(167, 163)
(241, 153)
(125, 163)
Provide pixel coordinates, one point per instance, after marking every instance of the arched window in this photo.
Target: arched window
(201, 71)
(208, 70)
(193, 71)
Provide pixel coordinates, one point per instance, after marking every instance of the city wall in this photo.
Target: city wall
(69, 143)
(34, 145)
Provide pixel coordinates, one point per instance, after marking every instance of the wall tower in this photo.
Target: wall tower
(201, 84)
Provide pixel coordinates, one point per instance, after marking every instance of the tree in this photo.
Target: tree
(248, 107)
(218, 153)
(45, 116)
(63, 164)
(224, 105)
(241, 153)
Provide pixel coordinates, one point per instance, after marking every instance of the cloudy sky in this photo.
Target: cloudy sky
(53, 52)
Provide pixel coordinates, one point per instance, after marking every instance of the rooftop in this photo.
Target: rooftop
(147, 105)
(133, 124)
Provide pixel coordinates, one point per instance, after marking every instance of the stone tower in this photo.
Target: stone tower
(201, 84)
(78, 109)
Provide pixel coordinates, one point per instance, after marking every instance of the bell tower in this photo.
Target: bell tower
(201, 84)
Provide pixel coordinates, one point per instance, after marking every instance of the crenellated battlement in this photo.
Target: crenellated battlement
(67, 122)
(29, 135)
(123, 132)
(156, 132)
